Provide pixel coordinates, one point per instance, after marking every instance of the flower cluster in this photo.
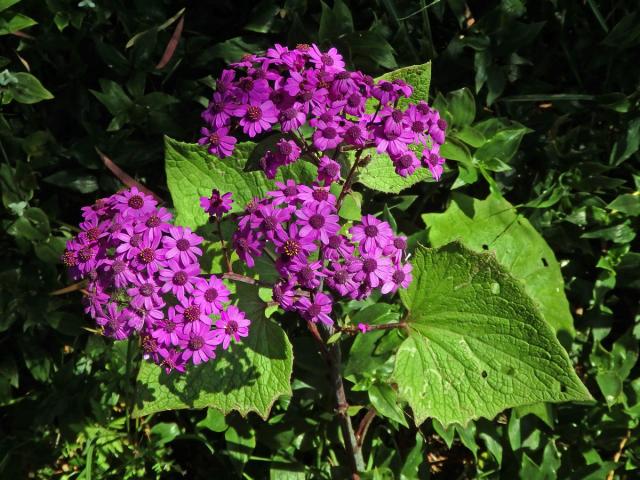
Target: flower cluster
(347, 110)
(143, 277)
(301, 224)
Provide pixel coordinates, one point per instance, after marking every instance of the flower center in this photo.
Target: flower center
(320, 195)
(417, 126)
(216, 107)
(118, 266)
(210, 294)
(242, 244)
(180, 278)
(329, 133)
(146, 289)
(306, 97)
(398, 276)
(354, 100)
(303, 47)
(291, 248)
(369, 265)
(342, 76)
(354, 132)
(196, 343)
(214, 139)
(400, 243)
(93, 234)
(254, 113)
(147, 255)
(371, 231)
(85, 254)
(270, 222)
(135, 240)
(335, 241)
(183, 244)
(316, 221)
(327, 59)
(285, 148)
(246, 84)
(149, 344)
(290, 191)
(231, 328)
(290, 113)
(169, 325)
(391, 135)
(442, 124)
(332, 169)
(405, 161)
(386, 87)
(153, 221)
(341, 277)
(192, 313)
(69, 259)
(397, 116)
(307, 274)
(136, 202)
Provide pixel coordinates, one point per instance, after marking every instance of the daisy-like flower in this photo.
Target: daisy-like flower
(338, 247)
(119, 272)
(210, 295)
(327, 137)
(182, 243)
(328, 170)
(316, 194)
(284, 294)
(198, 344)
(133, 203)
(129, 242)
(166, 331)
(393, 143)
(233, 324)
(171, 359)
(371, 233)
(397, 249)
(287, 193)
(308, 274)
(154, 224)
(190, 314)
(290, 244)
(144, 292)
(150, 256)
(340, 279)
(179, 279)
(434, 162)
(287, 151)
(318, 221)
(218, 141)
(291, 119)
(114, 322)
(269, 219)
(257, 118)
(401, 277)
(406, 163)
(247, 245)
(219, 111)
(316, 309)
(330, 61)
(216, 205)
(372, 268)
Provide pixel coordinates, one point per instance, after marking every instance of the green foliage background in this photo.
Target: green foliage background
(543, 103)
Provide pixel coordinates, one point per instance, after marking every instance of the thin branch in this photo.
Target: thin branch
(70, 288)
(237, 277)
(225, 250)
(387, 326)
(364, 426)
(346, 186)
(618, 454)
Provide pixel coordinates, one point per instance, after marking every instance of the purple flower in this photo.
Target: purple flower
(434, 162)
(144, 292)
(286, 193)
(394, 120)
(120, 273)
(182, 244)
(167, 330)
(290, 244)
(331, 61)
(340, 279)
(150, 256)
(133, 203)
(216, 205)
(198, 344)
(218, 142)
(396, 249)
(284, 294)
(115, 323)
(258, 118)
(338, 247)
(129, 242)
(401, 277)
(171, 360)
(190, 314)
(316, 194)
(154, 224)
(251, 90)
(405, 163)
(363, 327)
(179, 280)
(327, 137)
(269, 219)
(210, 294)
(219, 111)
(372, 268)
(247, 246)
(307, 274)
(291, 119)
(391, 142)
(371, 233)
(328, 170)
(232, 325)
(316, 309)
(356, 134)
(385, 92)
(318, 221)
(287, 151)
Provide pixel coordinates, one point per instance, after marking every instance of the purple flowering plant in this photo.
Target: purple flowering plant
(328, 265)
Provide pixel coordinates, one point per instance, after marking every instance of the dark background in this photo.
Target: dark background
(567, 69)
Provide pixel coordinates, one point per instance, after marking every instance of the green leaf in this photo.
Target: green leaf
(462, 107)
(248, 377)
(379, 174)
(17, 22)
(503, 145)
(351, 206)
(494, 225)
(385, 400)
(193, 173)
(477, 343)
(628, 203)
(470, 136)
(4, 4)
(418, 76)
(214, 421)
(28, 89)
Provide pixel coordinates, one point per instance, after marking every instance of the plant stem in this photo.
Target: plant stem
(347, 182)
(225, 251)
(237, 277)
(370, 328)
(364, 426)
(334, 361)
